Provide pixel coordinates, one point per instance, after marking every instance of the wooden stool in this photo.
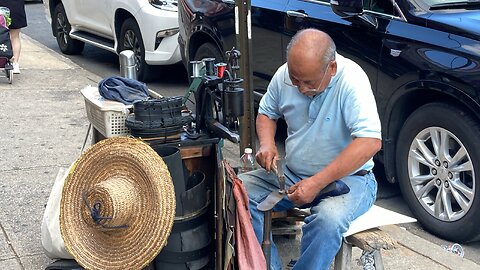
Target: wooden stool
(370, 241)
(287, 223)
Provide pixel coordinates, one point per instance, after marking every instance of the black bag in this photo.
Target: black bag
(5, 44)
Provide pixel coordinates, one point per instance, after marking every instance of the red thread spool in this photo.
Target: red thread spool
(221, 69)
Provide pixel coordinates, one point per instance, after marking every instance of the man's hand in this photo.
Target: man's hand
(304, 191)
(266, 156)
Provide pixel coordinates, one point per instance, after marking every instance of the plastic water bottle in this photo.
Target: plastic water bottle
(247, 161)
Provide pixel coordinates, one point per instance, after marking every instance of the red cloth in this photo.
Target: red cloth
(247, 249)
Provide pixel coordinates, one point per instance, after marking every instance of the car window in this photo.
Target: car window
(380, 6)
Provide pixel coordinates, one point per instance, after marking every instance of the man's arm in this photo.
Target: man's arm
(267, 152)
(357, 153)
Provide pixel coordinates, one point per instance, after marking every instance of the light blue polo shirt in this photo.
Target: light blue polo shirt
(320, 127)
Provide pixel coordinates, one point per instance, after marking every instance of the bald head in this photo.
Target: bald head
(311, 61)
(311, 44)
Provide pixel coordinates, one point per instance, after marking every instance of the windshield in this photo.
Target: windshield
(452, 3)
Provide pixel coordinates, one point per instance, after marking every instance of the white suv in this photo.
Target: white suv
(148, 27)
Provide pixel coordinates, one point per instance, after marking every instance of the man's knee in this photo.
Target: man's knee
(328, 221)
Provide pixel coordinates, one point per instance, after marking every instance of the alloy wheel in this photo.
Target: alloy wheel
(131, 43)
(441, 174)
(62, 28)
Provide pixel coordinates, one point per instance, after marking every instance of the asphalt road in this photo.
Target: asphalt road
(167, 80)
(172, 80)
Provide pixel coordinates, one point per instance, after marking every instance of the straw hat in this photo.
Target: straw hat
(118, 205)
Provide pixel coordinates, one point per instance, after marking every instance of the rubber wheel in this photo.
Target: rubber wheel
(61, 30)
(438, 155)
(10, 76)
(131, 39)
(209, 50)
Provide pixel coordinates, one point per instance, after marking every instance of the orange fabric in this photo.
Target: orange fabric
(247, 249)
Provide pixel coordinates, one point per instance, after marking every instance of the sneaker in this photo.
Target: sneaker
(16, 68)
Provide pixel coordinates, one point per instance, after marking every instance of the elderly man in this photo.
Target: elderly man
(333, 133)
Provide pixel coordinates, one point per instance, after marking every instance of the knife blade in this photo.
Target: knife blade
(277, 195)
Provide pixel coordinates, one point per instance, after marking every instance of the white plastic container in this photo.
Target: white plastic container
(107, 116)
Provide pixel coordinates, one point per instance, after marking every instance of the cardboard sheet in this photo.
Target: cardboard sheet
(377, 216)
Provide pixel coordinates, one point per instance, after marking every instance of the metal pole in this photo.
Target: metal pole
(128, 68)
(243, 31)
(267, 230)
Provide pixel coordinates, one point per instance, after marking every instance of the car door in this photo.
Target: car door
(267, 48)
(95, 16)
(357, 38)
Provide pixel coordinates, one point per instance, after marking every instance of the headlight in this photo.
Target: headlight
(170, 5)
(163, 34)
(167, 33)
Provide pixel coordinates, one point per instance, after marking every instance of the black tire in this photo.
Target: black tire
(61, 30)
(426, 164)
(209, 50)
(131, 39)
(9, 75)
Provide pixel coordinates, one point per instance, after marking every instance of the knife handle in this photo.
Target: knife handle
(280, 175)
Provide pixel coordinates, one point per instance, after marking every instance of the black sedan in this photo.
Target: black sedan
(423, 61)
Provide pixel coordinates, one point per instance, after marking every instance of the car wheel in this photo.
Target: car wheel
(131, 39)
(62, 30)
(209, 50)
(438, 153)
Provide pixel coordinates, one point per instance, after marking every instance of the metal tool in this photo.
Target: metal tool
(272, 199)
(266, 207)
(266, 243)
(277, 195)
(218, 98)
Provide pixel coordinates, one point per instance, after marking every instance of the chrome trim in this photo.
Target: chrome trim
(297, 14)
(108, 48)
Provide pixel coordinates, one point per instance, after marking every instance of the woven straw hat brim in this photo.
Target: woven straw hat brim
(138, 244)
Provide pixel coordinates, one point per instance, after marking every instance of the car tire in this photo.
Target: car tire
(131, 39)
(61, 29)
(209, 50)
(438, 153)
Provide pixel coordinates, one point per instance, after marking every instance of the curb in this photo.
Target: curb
(428, 250)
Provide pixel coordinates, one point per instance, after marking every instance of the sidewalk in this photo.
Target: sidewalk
(43, 125)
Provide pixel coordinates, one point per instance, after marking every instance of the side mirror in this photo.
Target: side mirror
(347, 8)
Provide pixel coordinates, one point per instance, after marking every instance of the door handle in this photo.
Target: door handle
(392, 44)
(230, 2)
(298, 14)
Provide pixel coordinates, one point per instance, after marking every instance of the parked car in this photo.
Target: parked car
(147, 27)
(423, 60)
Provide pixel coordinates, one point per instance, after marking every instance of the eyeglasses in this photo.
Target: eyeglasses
(311, 90)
